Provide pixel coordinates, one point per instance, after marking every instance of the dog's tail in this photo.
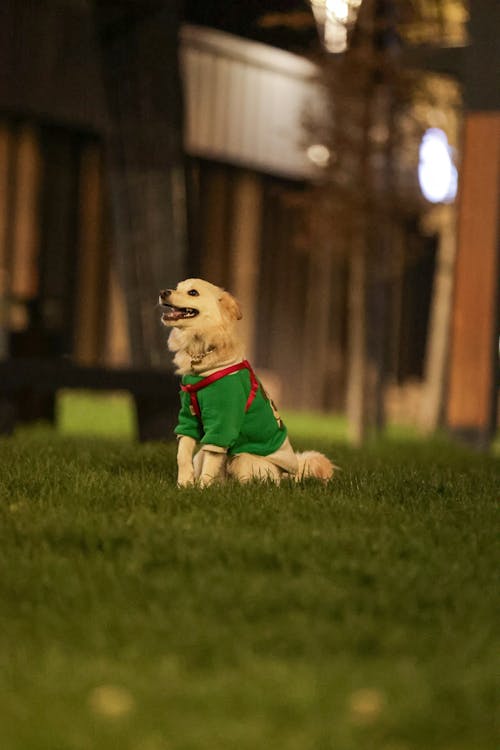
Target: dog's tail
(316, 465)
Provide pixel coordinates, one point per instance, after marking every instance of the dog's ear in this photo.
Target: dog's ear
(230, 306)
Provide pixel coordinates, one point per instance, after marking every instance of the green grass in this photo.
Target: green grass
(357, 616)
(104, 414)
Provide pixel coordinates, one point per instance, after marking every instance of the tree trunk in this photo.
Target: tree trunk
(356, 334)
(436, 360)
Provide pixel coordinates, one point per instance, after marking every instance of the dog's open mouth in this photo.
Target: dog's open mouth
(178, 313)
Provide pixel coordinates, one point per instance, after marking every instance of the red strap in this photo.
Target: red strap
(195, 407)
(254, 387)
(195, 387)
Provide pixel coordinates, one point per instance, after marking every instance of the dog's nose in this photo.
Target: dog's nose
(165, 294)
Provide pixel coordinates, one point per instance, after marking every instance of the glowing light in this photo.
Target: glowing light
(319, 154)
(335, 37)
(437, 175)
(334, 18)
(338, 9)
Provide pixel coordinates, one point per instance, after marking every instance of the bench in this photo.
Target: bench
(28, 387)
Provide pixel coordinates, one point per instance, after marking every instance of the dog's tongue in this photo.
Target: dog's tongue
(172, 313)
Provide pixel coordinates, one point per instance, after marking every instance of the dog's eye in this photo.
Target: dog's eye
(193, 293)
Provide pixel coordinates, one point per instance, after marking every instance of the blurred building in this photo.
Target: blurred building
(231, 186)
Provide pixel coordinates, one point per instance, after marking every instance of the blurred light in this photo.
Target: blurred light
(319, 154)
(335, 36)
(379, 133)
(334, 18)
(338, 10)
(436, 117)
(437, 175)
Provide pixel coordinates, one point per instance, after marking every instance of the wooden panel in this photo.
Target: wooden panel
(5, 171)
(59, 235)
(282, 295)
(245, 245)
(215, 217)
(316, 312)
(5, 162)
(474, 327)
(91, 277)
(117, 343)
(26, 216)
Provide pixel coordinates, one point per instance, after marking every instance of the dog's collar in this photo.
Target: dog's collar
(197, 358)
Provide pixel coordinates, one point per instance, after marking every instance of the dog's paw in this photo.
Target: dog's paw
(205, 481)
(186, 479)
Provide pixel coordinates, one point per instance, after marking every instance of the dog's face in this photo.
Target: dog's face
(197, 304)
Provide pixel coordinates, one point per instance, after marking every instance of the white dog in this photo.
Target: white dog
(223, 405)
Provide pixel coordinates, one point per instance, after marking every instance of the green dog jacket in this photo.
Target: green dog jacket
(230, 409)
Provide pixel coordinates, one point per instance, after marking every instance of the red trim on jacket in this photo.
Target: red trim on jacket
(195, 387)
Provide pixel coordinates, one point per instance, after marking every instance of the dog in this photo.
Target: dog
(223, 404)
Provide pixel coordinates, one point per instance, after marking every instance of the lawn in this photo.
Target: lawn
(356, 616)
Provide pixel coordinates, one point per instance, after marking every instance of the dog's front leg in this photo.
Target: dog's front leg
(185, 450)
(213, 465)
